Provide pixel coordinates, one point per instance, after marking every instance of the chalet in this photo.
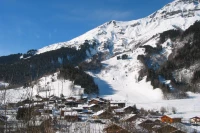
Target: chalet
(86, 111)
(45, 99)
(114, 128)
(37, 99)
(38, 96)
(178, 131)
(94, 101)
(166, 129)
(122, 111)
(61, 105)
(150, 125)
(53, 99)
(71, 99)
(63, 110)
(39, 105)
(124, 56)
(71, 116)
(78, 109)
(48, 109)
(117, 104)
(118, 57)
(63, 99)
(195, 120)
(59, 101)
(71, 104)
(81, 101)
(94, 107)
(118, 111)
(103, 114)
(129, 118)
(129, 109)
(168, 119)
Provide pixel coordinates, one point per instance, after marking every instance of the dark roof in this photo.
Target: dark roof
(178, 131)
(71, 102)
(196, 117)
(166, 129)
(151, 125)
(148, 124)
(115, 128)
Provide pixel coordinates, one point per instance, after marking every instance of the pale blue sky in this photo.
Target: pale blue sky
(33, 24)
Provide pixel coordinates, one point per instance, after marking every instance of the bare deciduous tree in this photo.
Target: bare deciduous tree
(163, 110)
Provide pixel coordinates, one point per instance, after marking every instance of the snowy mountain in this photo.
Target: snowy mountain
(119, 78)
(151, 48)
(115, 39)
(119, 36)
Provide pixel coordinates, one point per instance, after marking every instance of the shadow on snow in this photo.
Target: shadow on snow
(104, 87)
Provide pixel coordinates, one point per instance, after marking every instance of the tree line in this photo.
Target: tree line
(22, 71)
(184, 58)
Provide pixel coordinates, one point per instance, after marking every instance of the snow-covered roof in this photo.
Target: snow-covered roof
(99, 112)
(77, 86)
(126, 107)
(96, 99)
(116, 102)
(119, 110)
(196, 117)
(171, 116)
(127, 116)
(91, 105)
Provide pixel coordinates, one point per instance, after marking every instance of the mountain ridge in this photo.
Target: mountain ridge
(96, 51)
(179, 14)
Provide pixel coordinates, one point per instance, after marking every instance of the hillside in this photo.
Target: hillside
(148, 46)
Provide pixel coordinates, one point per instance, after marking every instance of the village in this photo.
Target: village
(85, 114)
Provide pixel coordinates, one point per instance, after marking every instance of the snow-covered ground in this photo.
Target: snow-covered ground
(45, 87)
(118, 80)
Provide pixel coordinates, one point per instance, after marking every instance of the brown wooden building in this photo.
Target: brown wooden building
(129, 118)
(166, 129)
(71, 116)
(195, 120)
(94, 107)
(129, 110)
(117, 105)
(103, 114)
(168, 119)
(93, 101)
(113, 128)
